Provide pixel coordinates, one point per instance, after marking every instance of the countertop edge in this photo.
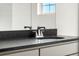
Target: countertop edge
(35, 45)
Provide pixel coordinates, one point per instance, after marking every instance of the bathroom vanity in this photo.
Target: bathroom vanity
(61, 49)
(15, 40)
(38, 47)
(23, 43)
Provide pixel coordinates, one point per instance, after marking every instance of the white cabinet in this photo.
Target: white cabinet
(60, 50)
(74, 55)
(21, 15)
(25, 53)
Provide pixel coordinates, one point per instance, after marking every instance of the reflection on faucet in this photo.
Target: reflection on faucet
(39, 32)
(28, 27)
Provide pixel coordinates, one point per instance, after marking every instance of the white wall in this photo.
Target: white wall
(67, 19)
(26, 14)
(21, 15)
(5, 16)
(17, 15)
(42, 20)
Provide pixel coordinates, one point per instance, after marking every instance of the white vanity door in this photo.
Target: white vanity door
(25, 53)
(74, 55)
(60, 50)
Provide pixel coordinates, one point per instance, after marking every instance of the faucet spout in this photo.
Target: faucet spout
(39, 32)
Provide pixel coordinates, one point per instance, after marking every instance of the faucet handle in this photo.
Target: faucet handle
(39, 27)
(30, 27)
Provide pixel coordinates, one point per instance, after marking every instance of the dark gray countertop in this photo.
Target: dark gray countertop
(13, 44)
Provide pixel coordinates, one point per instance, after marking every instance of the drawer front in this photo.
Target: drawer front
(59, 50)
(25, 53)
(74, 55)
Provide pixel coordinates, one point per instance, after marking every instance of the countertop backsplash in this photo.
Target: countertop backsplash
(25, 33)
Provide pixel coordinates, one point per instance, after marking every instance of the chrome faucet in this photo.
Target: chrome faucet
(39, 32)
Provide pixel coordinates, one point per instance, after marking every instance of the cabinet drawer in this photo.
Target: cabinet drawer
(74, 55)
(25, 53)
(60, 50)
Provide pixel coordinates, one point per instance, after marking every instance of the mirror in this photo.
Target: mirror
(45, 15)
(14, 16)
